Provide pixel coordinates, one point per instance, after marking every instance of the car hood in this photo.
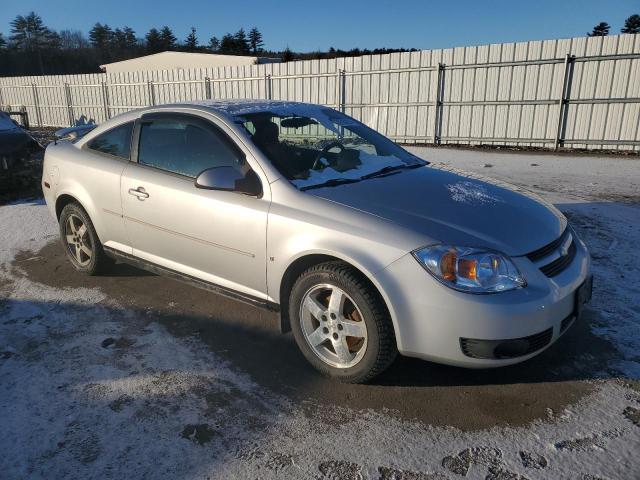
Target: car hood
(455, 207)
(16, 142)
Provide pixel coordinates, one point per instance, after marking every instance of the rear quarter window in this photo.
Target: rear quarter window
(116, 142)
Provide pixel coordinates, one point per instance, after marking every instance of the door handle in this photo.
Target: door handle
(139, 192)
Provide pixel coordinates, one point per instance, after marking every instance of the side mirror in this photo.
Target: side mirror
(230, 179)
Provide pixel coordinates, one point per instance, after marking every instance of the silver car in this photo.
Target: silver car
(363, 248)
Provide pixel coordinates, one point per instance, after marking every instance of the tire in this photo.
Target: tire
(82, 245)
(358, 309)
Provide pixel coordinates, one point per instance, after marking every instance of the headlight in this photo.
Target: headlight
(469, 269)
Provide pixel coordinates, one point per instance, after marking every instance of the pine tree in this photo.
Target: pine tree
(214, 44)
(130, 39)
(3, 42)
(167, 38)
(241, 42)
(255, 40)
(631, 24)
(192, 41)
(101, 36)
(154, 44)
(287, 55)
(29, 33)
(600, 30)
(117, 39)
(227, 44)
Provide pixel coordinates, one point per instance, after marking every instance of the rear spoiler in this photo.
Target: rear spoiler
(73, 133)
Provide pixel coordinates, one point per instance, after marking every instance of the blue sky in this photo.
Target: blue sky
(305, 25)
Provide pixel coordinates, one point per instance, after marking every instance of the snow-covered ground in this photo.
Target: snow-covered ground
(93, 388)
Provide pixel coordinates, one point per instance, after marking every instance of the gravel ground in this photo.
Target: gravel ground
(133, 375)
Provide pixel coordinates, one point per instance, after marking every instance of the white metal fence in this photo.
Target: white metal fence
(580, 92)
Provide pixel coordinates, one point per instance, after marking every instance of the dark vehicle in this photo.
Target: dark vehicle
(16, 144)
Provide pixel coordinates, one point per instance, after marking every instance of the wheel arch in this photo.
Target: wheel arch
(80, 197)
(302, 263)
(64, 200)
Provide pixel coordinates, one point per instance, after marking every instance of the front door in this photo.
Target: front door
(216, 236)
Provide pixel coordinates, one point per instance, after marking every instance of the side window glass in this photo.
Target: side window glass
(116, 142)
(184, 147)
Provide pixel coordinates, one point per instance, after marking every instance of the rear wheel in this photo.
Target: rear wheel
(82, 246)
(340, 323)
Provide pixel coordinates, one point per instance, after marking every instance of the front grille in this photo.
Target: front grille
(554, 268)
(548, 249)
(507, 348)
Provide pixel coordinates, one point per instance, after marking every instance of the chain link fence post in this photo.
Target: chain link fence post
(67, 92)
(267, 86)
(36, 102)
(105, 101)
(207, 88)
(438, 105)
(343, 91)
(563, 103)
(152, 93)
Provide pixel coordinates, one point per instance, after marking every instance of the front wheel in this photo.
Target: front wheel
(341, 324)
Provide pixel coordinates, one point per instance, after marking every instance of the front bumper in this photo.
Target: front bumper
(431, 320)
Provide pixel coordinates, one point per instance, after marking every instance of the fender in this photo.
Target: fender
(365, 264)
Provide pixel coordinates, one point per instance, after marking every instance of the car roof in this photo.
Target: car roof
(229, 109)
(232, 108)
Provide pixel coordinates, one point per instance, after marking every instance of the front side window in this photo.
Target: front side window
(184, 147)
(314, 146)
(116, 142)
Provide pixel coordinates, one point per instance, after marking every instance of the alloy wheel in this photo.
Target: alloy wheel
(78, 241)
(333, 326)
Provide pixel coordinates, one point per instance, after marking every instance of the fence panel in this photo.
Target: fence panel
(580, 92)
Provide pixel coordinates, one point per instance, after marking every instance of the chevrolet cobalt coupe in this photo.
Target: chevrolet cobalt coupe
(363, 248)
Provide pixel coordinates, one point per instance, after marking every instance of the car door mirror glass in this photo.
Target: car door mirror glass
(230, 179)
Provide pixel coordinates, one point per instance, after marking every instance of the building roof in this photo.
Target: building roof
(183, 60)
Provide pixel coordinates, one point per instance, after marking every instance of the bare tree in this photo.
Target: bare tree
(214, 44)
(73, 39)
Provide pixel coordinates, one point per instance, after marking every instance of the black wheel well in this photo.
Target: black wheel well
(62, 201)
(295, 270)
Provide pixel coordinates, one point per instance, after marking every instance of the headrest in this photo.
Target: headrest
(266, 132)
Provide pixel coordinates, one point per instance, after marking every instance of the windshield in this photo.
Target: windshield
(315, 146)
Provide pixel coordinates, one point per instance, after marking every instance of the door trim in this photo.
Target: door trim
(191, 280)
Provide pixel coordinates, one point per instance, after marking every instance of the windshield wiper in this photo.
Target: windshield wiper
(332, 183)
(383, 171)
(389, 169)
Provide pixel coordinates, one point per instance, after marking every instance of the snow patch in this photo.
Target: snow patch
(369, 164)
(471, 193)
(168, 407)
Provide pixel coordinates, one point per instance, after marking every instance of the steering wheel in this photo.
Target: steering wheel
(321, 153)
